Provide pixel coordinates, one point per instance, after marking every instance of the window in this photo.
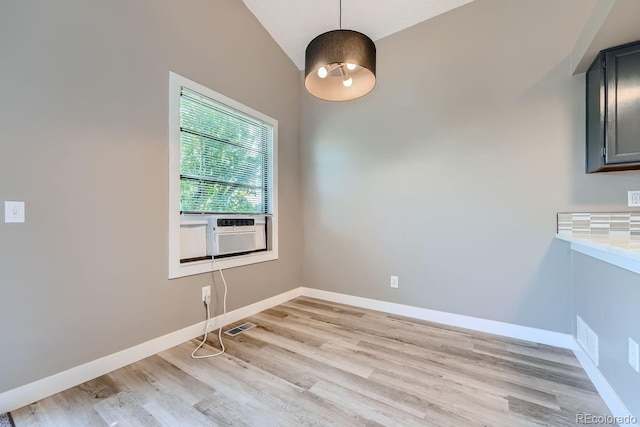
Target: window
(224, 158)
(221, 164)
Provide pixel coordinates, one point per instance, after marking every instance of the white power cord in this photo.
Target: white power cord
(207, 303)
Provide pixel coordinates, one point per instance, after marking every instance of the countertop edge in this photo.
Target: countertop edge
(620, 257)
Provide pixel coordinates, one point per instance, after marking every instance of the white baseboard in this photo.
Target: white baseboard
(608, 394)
(29, 393)
(556, 339)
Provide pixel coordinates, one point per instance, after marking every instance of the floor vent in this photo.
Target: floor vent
(240, 329)
(588, 340)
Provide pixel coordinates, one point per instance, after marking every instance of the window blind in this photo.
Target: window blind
(225, 158)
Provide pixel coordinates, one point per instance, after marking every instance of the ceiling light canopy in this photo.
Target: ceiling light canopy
(340, 65)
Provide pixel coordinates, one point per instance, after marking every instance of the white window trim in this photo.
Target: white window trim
(176, 269)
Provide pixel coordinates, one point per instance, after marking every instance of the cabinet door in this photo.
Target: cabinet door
(596, 113)
(623, 105)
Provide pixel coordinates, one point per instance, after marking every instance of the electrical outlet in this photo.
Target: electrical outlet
(634, 198)
(634, 355)
(206, 292)
(394, 281)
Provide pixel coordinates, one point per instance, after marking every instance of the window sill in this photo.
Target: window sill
(205, 266)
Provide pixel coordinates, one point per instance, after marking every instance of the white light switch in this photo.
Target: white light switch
(13, 211)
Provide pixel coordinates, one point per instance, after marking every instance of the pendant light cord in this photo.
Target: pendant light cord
(341, 14)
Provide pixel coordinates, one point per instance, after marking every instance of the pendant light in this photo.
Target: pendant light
(340, 65)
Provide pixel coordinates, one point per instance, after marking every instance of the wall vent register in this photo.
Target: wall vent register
(240, 329)
(587, 339)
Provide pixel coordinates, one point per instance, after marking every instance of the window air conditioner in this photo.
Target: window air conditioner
(234, 235)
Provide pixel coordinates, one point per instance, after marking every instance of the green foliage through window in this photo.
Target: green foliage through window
(225, 158)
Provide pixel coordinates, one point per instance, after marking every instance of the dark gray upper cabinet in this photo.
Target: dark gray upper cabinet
(613, 110)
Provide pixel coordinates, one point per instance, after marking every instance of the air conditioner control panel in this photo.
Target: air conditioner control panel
(235, 222)
(235, 225)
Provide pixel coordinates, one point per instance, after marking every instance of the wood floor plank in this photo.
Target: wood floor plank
(551, 366)
(566, 378)
(538, 414)
(279, 362)
(290, 332)
(74, 406)
(133, 378)
(323, 328)
(223, 411)
(539, 351)
(317, 363)
(582, 402)
(299, 369)
(315, 353)
(339, 309)
(124, 409)
(170, 411)
(221, 374)
(455, 375)
(181, 384)
(382, 327)
(366, 408)
(467, 403)
(445, 362)
(237, 379)
(305, 330)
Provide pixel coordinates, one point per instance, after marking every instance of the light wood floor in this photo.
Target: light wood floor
(310, 362)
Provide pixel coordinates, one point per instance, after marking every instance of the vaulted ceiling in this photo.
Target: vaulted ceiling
(294, 23)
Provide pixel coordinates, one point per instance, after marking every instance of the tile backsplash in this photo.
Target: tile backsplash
(614, 224)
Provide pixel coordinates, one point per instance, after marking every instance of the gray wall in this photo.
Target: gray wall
(607, 299)
(450, 173)
(84, 141)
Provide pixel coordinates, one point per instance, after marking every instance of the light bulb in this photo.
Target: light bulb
(347, 82)
(351, 67)
(322, 72)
